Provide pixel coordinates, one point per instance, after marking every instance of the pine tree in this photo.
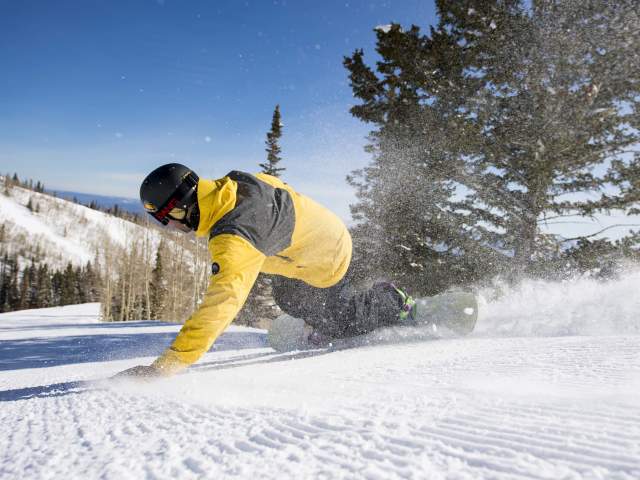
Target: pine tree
(273, 148)
(43, 287)
(5, 283)
(260, 305)
(13, 292)
(23, 289)
(80, 285)
(68, 287)
(90, 283)
(56, 288)
(32, 294)
(409, 227)
(512, 112)
(30, 205)
(158, 289)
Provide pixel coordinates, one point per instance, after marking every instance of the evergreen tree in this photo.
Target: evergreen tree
(273, 148)
(68, 287)
(32, 293)
(13, 292)
(504, 113)
(5, 283)
(158, 289)
(410, 227)
(30, 205)
(56, 288)
(260, 304)
(43, 286)
(551, 80)
(80, 285)
(91, 283)
(23, 289)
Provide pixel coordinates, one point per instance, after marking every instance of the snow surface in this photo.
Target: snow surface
(548, 388)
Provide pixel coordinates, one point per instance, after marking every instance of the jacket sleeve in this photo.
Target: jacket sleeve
(238, 265)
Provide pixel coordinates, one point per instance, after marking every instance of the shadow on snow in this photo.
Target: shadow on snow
(55, 351)
(79, 387)
(46, 391)
(85, 326)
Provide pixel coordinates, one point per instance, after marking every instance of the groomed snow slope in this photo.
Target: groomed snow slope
(506, 403)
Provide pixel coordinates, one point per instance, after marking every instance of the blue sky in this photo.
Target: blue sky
(95, 94)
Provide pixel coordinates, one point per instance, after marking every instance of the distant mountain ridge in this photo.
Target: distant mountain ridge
(131, 205)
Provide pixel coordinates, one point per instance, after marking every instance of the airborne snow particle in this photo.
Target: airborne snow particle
(207, 139)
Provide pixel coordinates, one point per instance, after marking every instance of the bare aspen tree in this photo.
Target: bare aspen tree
(106, 260)
(147, 266)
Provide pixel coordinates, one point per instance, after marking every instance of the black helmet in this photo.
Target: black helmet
(171, 187)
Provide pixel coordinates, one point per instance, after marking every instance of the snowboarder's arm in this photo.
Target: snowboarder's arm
(238, 265)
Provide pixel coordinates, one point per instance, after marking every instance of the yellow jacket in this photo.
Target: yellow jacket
(256, 224)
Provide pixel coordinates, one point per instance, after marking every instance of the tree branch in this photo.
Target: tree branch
(603, 230)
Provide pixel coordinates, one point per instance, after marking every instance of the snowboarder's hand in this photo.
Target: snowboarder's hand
(143, 372)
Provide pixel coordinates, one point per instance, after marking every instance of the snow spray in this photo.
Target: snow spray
(582, 306)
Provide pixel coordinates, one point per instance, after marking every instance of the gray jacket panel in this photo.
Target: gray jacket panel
(263, 215)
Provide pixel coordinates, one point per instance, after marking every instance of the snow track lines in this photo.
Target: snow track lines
(474, 408)
(150, 438)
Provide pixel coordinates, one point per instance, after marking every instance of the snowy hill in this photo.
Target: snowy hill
(60, 230)
(548, 387)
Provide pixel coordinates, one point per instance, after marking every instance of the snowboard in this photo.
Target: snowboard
(454, 312)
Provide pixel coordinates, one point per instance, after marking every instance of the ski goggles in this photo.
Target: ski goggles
(171, 209)
(176, 213)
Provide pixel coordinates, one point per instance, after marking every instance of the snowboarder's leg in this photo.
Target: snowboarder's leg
(339, 311)
(360, 312)
(298, 299)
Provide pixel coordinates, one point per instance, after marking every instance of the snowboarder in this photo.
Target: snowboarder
(257, 223)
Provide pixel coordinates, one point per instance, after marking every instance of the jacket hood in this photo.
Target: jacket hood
(215, 199)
